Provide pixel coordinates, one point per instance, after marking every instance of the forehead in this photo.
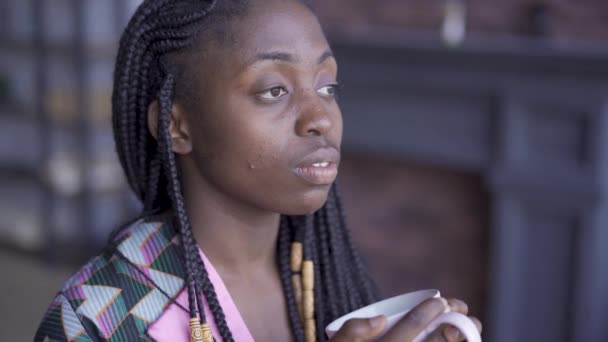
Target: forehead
(273, 26)
(280, 23)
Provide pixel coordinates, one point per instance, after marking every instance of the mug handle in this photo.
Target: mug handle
(458, 320)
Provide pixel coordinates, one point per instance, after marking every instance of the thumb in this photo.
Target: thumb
(360, 329)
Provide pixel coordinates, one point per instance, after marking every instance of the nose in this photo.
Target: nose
(313, 119)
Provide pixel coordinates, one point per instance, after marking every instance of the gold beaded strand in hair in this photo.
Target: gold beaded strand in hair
(207, 334)
(308, 300)
(296, 278)
(303, 280)
(196, 333)
(200, 332)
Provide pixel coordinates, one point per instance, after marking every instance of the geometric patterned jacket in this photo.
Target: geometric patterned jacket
(118, 294)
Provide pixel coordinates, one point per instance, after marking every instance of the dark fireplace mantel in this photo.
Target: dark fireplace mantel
(533, 121)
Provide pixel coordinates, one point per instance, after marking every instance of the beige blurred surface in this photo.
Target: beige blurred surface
(26, 288)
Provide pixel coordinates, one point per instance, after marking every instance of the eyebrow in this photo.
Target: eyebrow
(287, 57)
(325, 56)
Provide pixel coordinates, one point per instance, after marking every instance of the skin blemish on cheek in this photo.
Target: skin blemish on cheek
(259, 153)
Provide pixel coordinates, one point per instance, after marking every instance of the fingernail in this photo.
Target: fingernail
(445, 304)
(376, 321)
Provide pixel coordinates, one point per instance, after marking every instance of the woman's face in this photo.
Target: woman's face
(267, 129)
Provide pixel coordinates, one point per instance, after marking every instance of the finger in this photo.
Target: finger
(457, 305)
(416, 320)
(451, 333)
(437, 336)
(360, 329)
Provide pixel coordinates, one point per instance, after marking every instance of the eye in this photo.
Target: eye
(273, 93)
(329, 90)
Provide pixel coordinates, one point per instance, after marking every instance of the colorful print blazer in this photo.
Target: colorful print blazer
(110, 299)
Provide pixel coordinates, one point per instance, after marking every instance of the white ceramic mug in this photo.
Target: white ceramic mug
(396, 307)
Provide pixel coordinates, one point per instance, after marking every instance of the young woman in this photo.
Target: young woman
(227, 126)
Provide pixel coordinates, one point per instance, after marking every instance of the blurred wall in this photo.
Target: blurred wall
(62, 185)
(558, 20)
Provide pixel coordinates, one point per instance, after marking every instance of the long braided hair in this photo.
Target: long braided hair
(144, 73)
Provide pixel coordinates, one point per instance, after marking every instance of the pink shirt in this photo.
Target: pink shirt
(172, 326)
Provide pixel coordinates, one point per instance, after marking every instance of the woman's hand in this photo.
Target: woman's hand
(362, 329)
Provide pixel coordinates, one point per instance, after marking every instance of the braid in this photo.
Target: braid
(153, 180)
(344, 284)
(339, 257)
(328, 287)
(202, 277)
(370, 293)
(316, 259)
(284, 249)
(197, 276)
(164, 142)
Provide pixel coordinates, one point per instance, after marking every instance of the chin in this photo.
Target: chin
(305, 204)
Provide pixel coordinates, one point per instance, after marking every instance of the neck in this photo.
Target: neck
(237, 238)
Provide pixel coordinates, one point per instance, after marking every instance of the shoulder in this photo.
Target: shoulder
(123, 290)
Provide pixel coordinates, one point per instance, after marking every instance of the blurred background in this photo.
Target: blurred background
(476, 153)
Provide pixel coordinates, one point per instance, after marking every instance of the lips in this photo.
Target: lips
(320, 167)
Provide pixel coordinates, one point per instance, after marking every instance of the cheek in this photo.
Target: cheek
(241, 157)
(262, 151)
(339, 123)
(250, 161)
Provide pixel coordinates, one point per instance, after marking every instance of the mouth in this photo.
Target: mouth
(320, 168)
(323, 173)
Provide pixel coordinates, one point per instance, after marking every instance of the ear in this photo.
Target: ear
(179, 128)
